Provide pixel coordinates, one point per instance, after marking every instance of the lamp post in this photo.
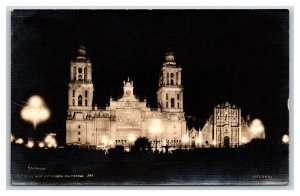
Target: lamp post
(35, 112)
(257, 128)
(166, 146)
(199, 141)
(104, 140)
(131, 138)
(185, 140)
(156, 128)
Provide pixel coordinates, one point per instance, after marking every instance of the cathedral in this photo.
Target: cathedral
(227, 128)
(125, 119)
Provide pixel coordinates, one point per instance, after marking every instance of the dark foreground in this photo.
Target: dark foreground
(253, 165)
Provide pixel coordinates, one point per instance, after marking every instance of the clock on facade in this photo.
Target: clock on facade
(128, 92)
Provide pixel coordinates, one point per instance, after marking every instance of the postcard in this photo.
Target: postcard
(149, 97)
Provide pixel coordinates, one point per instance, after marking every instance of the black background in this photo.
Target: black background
(240, 56)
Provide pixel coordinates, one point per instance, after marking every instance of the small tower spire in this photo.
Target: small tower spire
(128, 87)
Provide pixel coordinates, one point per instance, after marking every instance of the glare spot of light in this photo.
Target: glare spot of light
(41, 144)
(19, 141)
(285, 139)
(131, 138)
(35, 101)
(12, 137)
(50, 141)
(35, 111)
(185, 139)
(257, 128)
(30, 144)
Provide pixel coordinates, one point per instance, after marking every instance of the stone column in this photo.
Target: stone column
(179, 78)
(90, 97)
(89, 74)
(70, 93)
(72, 72)
(164, 77)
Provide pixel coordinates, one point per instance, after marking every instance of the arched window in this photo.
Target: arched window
(172, 103)
(73, 102)
(85, 102)
(80, 77)
(79, 100)
(86, 93)
(172, 82)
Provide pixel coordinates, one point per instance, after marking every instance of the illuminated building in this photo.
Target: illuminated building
(127, 118)
(227, 128)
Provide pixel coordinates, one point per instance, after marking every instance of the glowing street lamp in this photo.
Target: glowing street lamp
(35, 111)
(30, 144)
(257, 127)
(185, 140)
(165, 145)
(214, 143)
(19, 141)
(199, 141)
(111, 142)
(285, 139)
(131, 139)
(41, 144)
(156, 128)
(12, 138)
(50, 140)
(244, 141)
(104, 140)
(164, 142)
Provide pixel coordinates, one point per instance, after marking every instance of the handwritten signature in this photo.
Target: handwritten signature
(35, 168)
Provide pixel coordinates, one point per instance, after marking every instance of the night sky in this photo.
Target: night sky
(240, 56)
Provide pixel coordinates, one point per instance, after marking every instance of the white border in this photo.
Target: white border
(154, 4)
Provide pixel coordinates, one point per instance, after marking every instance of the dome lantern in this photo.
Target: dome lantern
(81, 52)
(169, 57)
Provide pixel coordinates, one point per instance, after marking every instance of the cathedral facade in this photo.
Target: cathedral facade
(226, 128)
(127, 118)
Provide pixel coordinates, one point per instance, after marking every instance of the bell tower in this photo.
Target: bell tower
(170, 90)
(80, 93)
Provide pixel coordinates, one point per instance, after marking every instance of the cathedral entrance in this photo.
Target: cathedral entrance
(193, 143)
(226, 142)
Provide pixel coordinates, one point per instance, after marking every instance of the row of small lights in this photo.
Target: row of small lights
(49, 141)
